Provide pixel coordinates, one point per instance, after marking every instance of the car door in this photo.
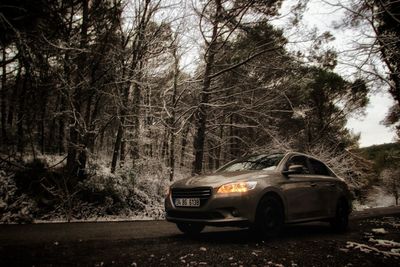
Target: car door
(326, 187)
(300, 191)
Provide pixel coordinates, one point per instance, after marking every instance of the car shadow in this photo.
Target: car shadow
(305, 231)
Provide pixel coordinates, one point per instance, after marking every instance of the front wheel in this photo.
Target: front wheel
(190, 228)
(270, 217)
(341, 220)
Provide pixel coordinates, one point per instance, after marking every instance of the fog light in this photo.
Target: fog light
(235, 213)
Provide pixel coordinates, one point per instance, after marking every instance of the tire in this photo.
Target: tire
(341, 220)
(190, 228)
(269, 218)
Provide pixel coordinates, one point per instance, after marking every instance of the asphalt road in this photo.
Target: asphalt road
(155, 243)
(64, 232)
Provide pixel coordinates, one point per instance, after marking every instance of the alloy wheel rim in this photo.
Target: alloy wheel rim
(270, 219)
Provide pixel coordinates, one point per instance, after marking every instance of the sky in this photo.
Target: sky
(322, 16)
(370, 126)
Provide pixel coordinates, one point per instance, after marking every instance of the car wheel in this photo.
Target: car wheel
(341, 220)
(190, 228)
(270, 217)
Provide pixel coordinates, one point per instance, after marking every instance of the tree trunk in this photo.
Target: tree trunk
(172, 157)
(184, 144)
(76, 159)
(61, 127)
(124, 111)
(43, 127)
(219, 148)
(3, 99)
(136, 121)
(122, 153)
(201, 114)
(21, 110)
(233, 141)
(117, 145)
(172, 119)
(14, 95)
(210, 154)
(164, 146)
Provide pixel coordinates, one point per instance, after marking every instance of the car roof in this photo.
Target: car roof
(294, 153)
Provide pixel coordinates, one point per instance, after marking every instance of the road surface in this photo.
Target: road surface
(158, 243)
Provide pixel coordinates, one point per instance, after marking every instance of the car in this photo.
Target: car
(262, 192)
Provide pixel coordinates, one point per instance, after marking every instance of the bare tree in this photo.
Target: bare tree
(376, 53)
(143, 46)
(224, 18)
(391, 182)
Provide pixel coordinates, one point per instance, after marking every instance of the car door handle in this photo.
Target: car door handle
(331, 184)
(313, 184)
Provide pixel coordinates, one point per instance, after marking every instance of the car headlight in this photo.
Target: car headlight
(240, 187)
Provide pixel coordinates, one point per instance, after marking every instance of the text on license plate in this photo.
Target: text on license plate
(187, 202)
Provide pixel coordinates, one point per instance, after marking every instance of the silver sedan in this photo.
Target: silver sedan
(262, 192)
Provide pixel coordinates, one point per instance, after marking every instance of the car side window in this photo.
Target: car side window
(319, 168)
(298, 160)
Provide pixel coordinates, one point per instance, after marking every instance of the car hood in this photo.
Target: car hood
(218, 179)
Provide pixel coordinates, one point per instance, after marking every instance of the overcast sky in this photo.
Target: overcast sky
(370, 127)
(322, 16)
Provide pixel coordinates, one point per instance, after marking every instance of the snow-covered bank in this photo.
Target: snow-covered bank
(101, 219)
(377, 197)
(39, 194)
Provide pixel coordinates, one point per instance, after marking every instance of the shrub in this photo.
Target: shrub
(14, 206)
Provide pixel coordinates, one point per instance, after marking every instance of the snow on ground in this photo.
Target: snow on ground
(379, 231)
(385, 243)
(358, 206)
(375, 245)
(367, 249)
(377, 197)
(152, 183)
(387, 222)
(101, 219)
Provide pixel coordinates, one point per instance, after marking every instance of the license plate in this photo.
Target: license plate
(187, 202)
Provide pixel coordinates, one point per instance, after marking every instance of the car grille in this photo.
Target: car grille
(203, 193)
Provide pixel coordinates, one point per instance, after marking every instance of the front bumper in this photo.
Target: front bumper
(219, 210)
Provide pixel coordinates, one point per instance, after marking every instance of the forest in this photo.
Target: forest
(105, 102)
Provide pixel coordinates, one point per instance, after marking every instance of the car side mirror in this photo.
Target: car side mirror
(294, 169)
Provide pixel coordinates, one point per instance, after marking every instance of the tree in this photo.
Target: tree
(144, 42)
(90, 78)
(325, 102)
(275, 100)
(391, 182)
(224, 18)
(245, 101)
(379, 24)
(106, 79)
(135, 45)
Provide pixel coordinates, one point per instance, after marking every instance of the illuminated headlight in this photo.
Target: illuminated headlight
(240, 187)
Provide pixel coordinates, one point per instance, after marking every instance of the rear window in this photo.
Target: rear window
(319, 168)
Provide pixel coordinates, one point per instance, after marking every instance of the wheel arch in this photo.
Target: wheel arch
(275, 194)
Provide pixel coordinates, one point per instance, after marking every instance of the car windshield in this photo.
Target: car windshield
(258, 162)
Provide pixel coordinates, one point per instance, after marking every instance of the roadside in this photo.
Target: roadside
(75, 231)
(375, 212)
(369, 242)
